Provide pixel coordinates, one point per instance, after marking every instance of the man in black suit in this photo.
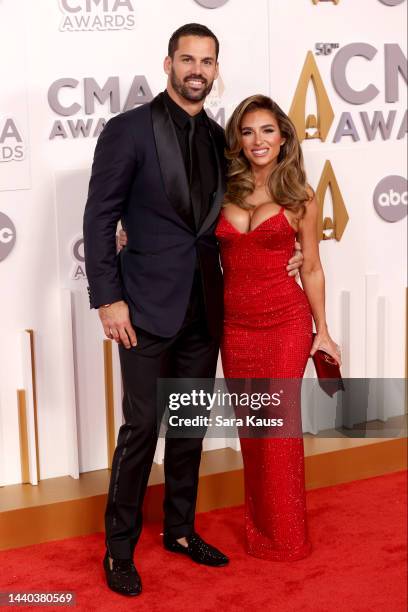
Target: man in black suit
(159, 169)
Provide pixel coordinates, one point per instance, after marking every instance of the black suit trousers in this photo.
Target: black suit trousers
(191, 353)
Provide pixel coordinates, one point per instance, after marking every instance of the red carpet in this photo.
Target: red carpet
(359, 533)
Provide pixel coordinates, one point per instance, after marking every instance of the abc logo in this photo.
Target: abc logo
(391, 198)
(392, 2)
(7, 236)
(212, 4)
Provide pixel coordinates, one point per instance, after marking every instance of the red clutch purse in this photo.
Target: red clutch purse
(328, 372)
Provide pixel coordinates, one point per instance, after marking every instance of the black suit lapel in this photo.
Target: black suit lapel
(221, 184)
(171, 161)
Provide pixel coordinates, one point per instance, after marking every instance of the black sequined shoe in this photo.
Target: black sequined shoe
(198, 550)
(123, 577)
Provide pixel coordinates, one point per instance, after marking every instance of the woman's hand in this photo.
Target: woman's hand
(324, 342)
(121, 240)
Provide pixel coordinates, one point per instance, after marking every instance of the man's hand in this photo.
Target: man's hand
(116, 323)
(296, 261)
(121, 240)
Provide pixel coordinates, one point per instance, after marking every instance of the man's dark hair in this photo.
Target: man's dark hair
(191, 29)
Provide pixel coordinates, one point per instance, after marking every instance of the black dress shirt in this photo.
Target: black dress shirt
(207, 167)
(207, 172)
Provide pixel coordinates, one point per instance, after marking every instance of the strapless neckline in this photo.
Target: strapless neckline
(281, 213)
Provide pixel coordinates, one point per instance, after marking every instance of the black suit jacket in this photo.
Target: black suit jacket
(139, 176)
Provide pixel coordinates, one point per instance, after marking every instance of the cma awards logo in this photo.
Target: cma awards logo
(377, 123)
(390, 198)
(7, 236)
(69, 97)
(78, 256)
(12, 146)
(79, 103)
(88, 15)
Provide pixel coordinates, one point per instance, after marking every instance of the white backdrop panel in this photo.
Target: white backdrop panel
(263, 48)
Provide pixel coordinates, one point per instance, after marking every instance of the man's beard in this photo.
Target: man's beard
(182, 87)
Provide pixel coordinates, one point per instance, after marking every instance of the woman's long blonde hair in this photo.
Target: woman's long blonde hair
(287, 182)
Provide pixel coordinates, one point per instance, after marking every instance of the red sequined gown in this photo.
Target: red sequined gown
(267, 334)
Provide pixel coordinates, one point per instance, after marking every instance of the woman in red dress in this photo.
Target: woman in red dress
(268, 317)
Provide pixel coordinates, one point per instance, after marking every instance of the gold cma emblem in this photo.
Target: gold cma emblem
(317, 1)
(328, 228)
(311, 126)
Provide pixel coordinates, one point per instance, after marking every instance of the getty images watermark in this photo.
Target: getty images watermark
(203, 400)
(220, 408)
(281, 408)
